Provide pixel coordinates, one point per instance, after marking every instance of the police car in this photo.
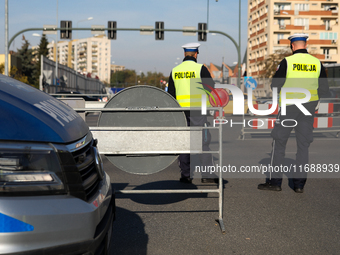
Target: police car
(55, 197)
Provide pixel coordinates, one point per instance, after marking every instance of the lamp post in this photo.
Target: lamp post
(115, 74)
(155, 76)
(38, 35)
(239, 44)
(6, 37)
(41, 64)
(177, 61)
(56, 54)
(76, 45)
(208, 13)
(239, 39)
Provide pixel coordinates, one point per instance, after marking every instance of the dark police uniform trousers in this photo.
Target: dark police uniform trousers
(304, 137)
(195, 119)
(206, 158)
(303, 130)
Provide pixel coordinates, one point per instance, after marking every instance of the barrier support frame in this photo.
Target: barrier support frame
(220, 188)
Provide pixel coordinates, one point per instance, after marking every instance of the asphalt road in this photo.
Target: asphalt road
(257, 222)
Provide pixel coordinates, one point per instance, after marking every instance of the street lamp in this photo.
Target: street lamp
(56, 53)
(177, 60)
(208, 12)
(239, 38)
(238, 47)
(38, 35)
(137, 82)
(76, 45)
(55, 45)
(115, 73)
(6, 37)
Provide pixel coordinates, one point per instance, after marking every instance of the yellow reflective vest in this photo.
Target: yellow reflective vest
(188, 84)
(303, 71)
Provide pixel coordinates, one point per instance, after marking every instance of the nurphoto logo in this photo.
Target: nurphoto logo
(238, 100)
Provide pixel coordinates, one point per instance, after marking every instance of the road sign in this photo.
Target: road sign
(97, 29)
(251, 83)
(147, 32)
(50, 30)
(189, 33)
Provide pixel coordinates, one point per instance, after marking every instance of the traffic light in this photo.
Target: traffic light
(65, 34)
(112, 34)
(202, 36)
(159, 34)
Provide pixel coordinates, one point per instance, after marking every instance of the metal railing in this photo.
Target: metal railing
(69, 79)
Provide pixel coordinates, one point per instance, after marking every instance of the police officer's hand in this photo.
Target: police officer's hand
(317, 106)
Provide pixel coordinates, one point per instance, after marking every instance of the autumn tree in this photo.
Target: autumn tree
(271, 62)
(16, 74)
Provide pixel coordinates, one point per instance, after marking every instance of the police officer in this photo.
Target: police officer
(187, 82)
(301, 70)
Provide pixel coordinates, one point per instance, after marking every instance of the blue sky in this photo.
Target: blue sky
(135, 51)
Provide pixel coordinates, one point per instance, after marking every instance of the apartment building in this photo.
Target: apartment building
(116, 68)
(93, 55)
(271, 22)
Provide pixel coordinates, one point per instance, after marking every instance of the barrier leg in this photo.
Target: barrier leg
(220, 188)
(220, 201)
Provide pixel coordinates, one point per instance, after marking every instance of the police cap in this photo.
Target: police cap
(298, 37)
(191, 47)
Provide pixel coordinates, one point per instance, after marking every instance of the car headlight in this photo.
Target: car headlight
(28, 168)
(98, 163)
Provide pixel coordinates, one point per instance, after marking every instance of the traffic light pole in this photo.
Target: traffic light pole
(144, 30)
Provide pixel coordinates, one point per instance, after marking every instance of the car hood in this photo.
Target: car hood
(28, 114)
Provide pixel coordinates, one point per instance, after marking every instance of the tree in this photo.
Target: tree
(16, 74)
(42, 51)
(123, 78)
(27, 63)
(271, 63)
(130, 78)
